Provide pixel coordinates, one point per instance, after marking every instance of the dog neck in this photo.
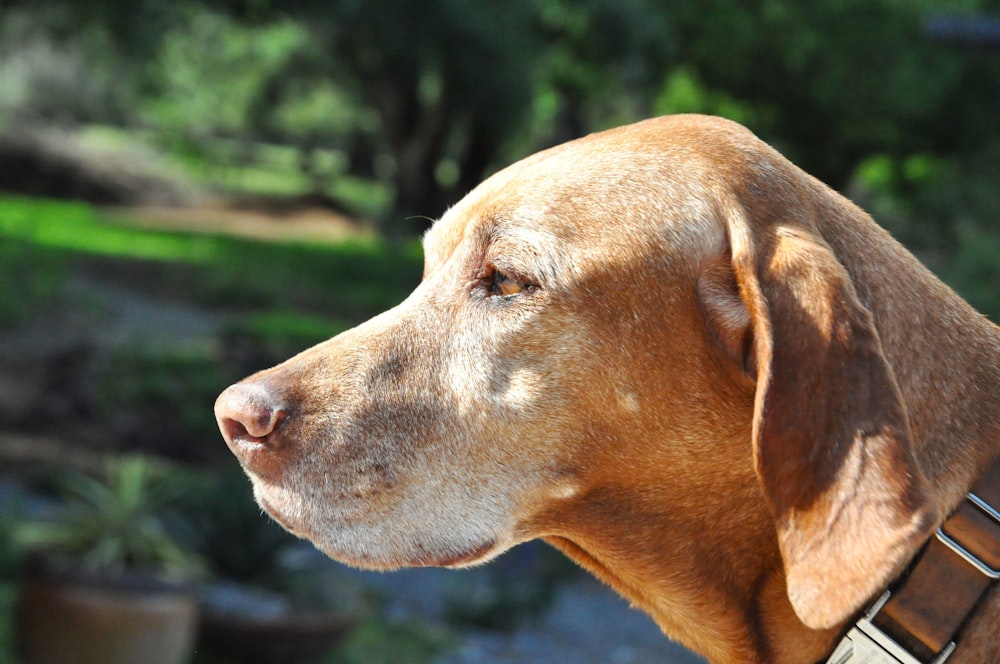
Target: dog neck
(730, 606)
(945, 356)
(949, 385)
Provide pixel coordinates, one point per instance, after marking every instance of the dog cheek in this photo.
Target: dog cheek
(517, 388)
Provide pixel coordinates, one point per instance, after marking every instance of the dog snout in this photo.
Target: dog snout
(249, 415)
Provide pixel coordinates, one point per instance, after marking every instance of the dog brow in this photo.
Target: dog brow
(533, 249)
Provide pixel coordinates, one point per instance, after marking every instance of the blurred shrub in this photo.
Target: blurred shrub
(685, 92)
(519, 586)
(160, 401)
(259, 340)
(944, 209)
(66, 79)
(380, 642)
(29, 277)
(112, 523)
(975, 270)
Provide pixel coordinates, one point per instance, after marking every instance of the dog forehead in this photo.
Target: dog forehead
(612, 190)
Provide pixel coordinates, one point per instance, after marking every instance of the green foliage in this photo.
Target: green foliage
(379, 642)
(231, 534)
(29, 277)
(975, 272)
(112, 523)
(946, 211)
(159, 400)
(836, 81)
(684, 92)
(209, 70)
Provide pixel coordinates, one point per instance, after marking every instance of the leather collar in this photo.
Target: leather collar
(920, 619)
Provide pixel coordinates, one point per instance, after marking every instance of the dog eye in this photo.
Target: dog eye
(501, 284)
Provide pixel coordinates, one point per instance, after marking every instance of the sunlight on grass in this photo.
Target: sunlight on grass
(348, 280)
(78, 227)
(243, 167)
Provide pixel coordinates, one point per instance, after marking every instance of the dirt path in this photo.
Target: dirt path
(270, 220)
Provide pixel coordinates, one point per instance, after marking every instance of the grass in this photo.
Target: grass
(346, 281)
(72, 226)
(250, 167)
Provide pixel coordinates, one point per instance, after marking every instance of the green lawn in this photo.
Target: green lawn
(343, 282)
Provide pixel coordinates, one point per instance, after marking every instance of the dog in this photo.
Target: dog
(664, 349)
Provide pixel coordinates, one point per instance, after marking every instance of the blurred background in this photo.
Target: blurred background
(194, 190)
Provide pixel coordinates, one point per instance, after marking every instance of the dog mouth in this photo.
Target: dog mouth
(351, 543)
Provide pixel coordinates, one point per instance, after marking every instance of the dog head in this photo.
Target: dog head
(642, 322)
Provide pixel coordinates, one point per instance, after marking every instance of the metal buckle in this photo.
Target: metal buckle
(964, 553)
(867, 644)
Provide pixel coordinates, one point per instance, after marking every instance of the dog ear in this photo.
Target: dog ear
(830, 431)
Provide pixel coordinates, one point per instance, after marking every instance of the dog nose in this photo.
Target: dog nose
(248, 413)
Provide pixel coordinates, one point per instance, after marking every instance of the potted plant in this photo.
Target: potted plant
(104, 581)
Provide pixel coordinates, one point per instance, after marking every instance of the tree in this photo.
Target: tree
(456, 84)
(836, 81)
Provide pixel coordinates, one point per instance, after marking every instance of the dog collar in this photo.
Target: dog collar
(918, 621)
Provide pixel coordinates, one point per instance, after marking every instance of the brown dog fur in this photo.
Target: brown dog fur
(702, 374)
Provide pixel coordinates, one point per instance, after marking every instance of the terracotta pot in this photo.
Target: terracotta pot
(64, 618)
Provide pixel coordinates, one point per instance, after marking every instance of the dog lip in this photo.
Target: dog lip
(259, 456)
(242, 443)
